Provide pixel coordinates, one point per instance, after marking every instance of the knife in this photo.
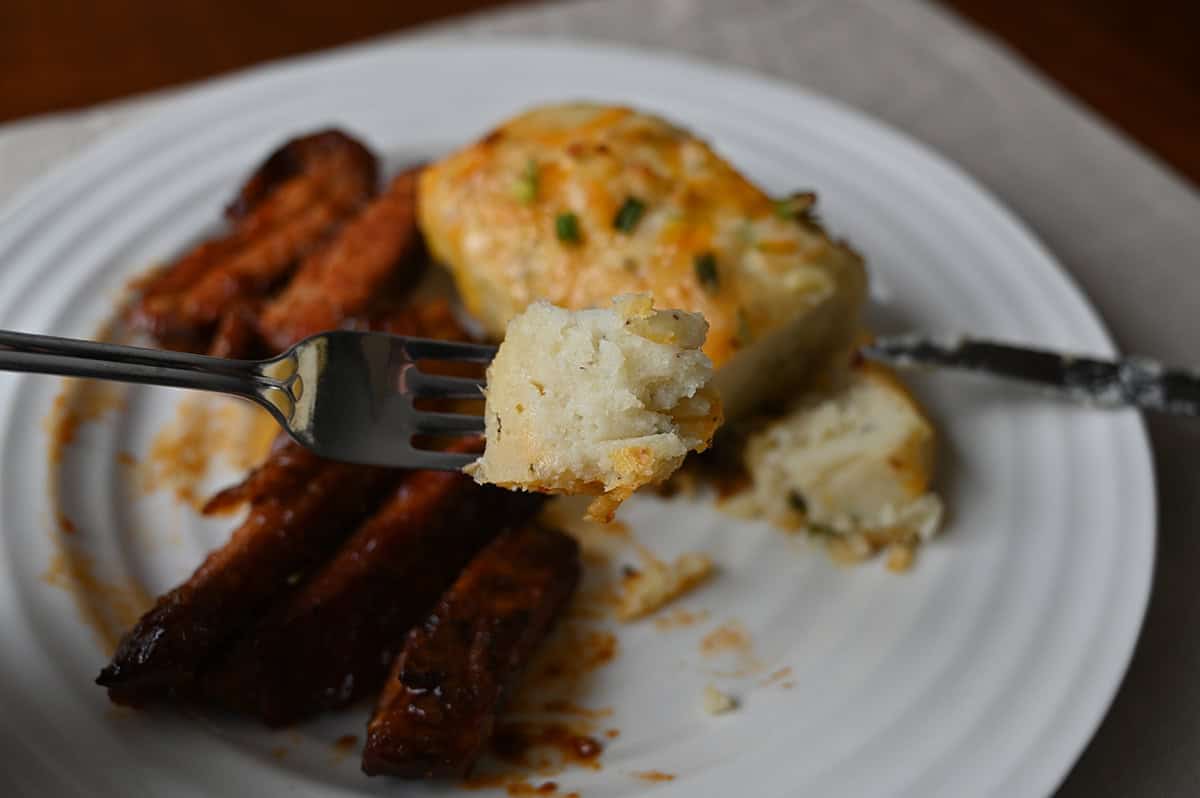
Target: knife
(1126, 382)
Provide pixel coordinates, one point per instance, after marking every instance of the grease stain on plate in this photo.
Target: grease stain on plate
(679, 618)
(653, 776)
(778, 676)
(108, 608)
(546, 747)
(729, 637)
(79, 402)
(205, 430)
(344, 746)
(518, 788)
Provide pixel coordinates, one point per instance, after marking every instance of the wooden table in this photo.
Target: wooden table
(1135, 61)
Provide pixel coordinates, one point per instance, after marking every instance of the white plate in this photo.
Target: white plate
(982, 672)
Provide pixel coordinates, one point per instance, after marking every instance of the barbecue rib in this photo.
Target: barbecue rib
(236, 335)
(309, 154)
(332, 640)
(301, 509)
(313, 505)
(339, 280)
(438, 708)
(292, 203)
(272, 477)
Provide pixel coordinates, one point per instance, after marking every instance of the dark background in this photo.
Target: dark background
(1136, 62)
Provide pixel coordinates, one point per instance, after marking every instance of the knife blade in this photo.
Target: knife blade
(1126, 382)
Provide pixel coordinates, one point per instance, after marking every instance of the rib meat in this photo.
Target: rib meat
(237, 335)
(301, 509)
(332, 640)
(428, 319)
(339, 280)
(438, 708)
(303, 155)
(312, 506)
(273, 477)
(285, 210)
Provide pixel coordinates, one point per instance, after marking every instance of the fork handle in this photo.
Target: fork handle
(70, 357)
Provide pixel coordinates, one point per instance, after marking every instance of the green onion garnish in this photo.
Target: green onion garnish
(629, 215)
(566, 227)
(801, 206)
(705, 265)
(526, 186)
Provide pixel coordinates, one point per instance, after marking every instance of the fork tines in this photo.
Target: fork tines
(432, 349)
(420, 384)
(423, 385)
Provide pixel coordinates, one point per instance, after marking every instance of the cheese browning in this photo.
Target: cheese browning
(578, 203)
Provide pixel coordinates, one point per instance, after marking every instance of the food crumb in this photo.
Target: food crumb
(717, 702)
(899, 557)
(729, 636)
(279, 752)
(656, 583)
(654, 775)
(849, 549)
(680, 617)
(612, 734)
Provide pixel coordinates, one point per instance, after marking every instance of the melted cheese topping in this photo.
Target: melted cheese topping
(706, 240)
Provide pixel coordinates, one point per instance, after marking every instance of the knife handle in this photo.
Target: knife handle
(1126, 382)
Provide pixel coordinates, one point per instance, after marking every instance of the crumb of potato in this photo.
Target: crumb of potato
(900, 557)
(717, 702)
(656, 583)
(850, 548)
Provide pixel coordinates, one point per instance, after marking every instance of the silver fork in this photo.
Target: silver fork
(346, 395)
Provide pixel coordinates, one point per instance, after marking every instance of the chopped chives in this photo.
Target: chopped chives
(705, 265)
(566, 227)
(629, 214)
(526, 186)
(801, 206)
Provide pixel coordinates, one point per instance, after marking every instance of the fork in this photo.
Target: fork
(346, 395)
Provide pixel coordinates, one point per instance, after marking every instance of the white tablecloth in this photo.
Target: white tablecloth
(1126, 228)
